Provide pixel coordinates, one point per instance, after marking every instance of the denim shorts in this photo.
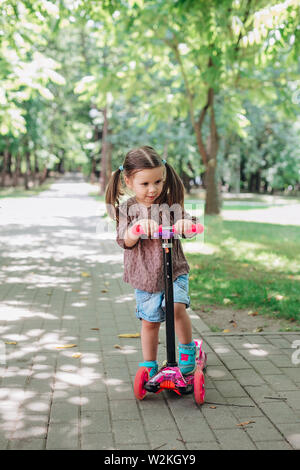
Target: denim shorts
(151, 306)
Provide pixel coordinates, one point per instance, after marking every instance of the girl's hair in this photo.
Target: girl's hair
(136, 160)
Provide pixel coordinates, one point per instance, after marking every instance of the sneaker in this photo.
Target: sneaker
(152, 366)
(187, 358)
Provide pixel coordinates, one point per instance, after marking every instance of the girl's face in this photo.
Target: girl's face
(147, 184)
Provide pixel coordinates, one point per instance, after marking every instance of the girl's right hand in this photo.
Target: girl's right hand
(147, 227)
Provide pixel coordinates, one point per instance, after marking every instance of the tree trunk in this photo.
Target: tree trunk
(108, 166)
(36, 169)
(9, 159)
(27, 171)
(97, 137)
(209, 156)
(17, 170)
(4, 168)
(104, 154)
(212, 194)
(93, 170)
(43, 175)
(60, 165)
(254, 182)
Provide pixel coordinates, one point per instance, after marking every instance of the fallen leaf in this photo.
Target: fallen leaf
(213, 407)
(11, 342)
(66, 346)
(258, 329)
(245, 423)
(95, 329)
(76, 355)
(117, 346)
(226, 301)
(234, 323)
(85, 274)
(226, 331)
(130, 335)
(104, 290)
(252, 314)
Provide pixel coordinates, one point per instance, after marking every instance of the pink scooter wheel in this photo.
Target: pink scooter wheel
(141, 377)
(199, 386)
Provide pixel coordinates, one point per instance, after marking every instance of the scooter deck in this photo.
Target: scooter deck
(171, 378)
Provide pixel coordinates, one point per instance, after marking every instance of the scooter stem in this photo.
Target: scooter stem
(167, 245)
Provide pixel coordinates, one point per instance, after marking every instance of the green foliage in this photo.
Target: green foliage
(62, 62)
(254, 265)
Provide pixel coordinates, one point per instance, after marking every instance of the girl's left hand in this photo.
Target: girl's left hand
(183, 225)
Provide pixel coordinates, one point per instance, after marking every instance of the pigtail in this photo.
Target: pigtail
(173, 190)
(112, 195)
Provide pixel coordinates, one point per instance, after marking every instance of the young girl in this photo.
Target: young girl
(155, 185)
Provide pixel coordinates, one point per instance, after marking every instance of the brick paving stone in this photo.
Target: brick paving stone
(219, 417)
(233, 363)
(273, 445)
(230, 388)
(97, 441)
(280, 382)
(292, 399)
(192, 426)
(265, 367)
(246, 412)
(261, 429)
(27, 444)
(291, 432)
(62, 437)
(259, 392)
(280, 412)
(95, 421)
(281, 360)
(62, 412)
(234, 439)
(293, 374)
(219, 373)
(51, 400)
(129, 432)
(248, 377)
(203, 445)
(162, 440)
(153, 420)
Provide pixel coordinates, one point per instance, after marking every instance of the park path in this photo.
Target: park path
(61, 285)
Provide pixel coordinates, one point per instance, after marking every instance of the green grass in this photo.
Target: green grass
(248, 265)
(97, 196)
(21, 192)
(244, 207)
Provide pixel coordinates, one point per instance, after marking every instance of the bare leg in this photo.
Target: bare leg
(149, 338)
(183, 325)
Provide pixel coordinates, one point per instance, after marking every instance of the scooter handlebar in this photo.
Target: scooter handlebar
(196, 228)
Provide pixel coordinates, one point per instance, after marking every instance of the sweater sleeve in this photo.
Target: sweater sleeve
(124, 222)
(194, 219)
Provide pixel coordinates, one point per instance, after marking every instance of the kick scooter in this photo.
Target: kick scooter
(169, 377)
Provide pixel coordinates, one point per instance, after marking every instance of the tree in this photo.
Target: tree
(214, 46)
(25, 72)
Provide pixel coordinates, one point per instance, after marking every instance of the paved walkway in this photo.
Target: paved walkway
(61, 285)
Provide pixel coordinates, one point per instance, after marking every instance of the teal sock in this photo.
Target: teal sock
(151, 365)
